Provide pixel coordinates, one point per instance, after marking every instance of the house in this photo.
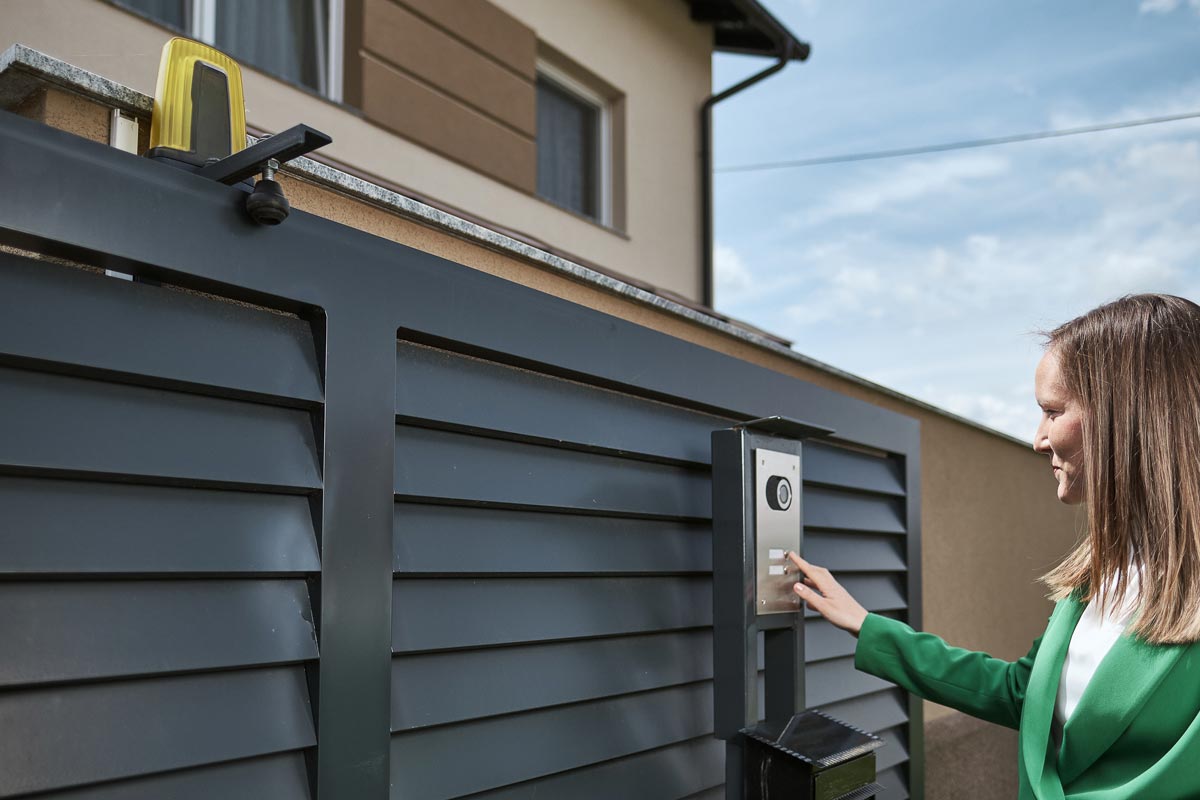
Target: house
(557, 147)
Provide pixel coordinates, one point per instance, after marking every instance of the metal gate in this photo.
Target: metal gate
(303, 512)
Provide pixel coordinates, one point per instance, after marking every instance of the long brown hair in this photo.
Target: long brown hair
(1133, 365)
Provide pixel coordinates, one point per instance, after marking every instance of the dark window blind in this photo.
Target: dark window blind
(568, 149)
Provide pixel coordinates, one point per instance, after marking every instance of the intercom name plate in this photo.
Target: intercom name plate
(777, 529)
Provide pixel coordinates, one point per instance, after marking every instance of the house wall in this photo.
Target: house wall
(426, 137)
(455, 78)
(990, 520)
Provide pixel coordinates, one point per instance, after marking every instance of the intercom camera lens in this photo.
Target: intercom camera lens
(779, 493)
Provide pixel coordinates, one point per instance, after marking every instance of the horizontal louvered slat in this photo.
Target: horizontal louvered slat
(875, 712)
(436, 688)
(462, 539)
(673, 771)
(894, 782)
(490, 611)
(58, 314)
(447, 388)
(844, 511)
(895, 749)
(446, 687)
(276, 777)
(823, 641)
(53, 526)
(850, 469)
(439, 464)
(60, 631)
(78, 735)
(860, 552)
(837, 679)
(878, 592)
(502, 750)
(55, 422)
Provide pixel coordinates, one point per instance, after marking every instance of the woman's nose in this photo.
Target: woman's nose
(1041, 442)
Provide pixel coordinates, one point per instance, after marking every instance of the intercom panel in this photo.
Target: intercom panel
(776, 530)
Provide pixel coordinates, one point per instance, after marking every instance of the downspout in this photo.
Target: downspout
(706, 168)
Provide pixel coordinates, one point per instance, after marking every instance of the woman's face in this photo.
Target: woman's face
(1060, 434)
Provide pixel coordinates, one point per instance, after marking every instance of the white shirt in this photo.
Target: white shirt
(1094, 636)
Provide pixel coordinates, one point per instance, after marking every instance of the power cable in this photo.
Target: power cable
(940, 148)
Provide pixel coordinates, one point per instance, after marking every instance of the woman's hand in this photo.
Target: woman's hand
(827, 597)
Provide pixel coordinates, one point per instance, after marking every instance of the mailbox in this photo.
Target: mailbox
(757, 517)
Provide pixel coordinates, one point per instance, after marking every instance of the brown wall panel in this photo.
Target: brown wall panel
(400, 103)
(487, 28)
(394, 34)
(352, 45)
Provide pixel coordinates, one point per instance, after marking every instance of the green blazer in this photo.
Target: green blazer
(1134, 734)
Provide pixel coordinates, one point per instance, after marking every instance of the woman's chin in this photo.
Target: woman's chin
(1068, 497)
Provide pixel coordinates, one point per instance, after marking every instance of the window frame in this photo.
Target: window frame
(603, 106)
(201, 25)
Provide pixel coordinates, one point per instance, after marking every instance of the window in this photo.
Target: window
(297, 40)
(573, 145)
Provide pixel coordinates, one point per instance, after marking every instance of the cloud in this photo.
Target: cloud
(945, 315)
(904, 183)
(1178, 99)
(1157, 6)
(810, 8)
(1122, 229)
(849, 290)
(733, 278)
(1165, 6)
(1169, 160)
(931, 274)
(1013, 413)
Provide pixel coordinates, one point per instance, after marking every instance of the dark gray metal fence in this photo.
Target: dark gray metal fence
(359, 521)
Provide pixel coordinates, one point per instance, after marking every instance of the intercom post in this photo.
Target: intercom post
(757, 519)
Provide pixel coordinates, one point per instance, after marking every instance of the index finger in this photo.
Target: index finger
(803, 565)
(810, 571)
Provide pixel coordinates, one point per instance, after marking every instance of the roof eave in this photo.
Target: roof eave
(746, 27)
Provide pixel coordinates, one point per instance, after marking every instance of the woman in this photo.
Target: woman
(1107, 701)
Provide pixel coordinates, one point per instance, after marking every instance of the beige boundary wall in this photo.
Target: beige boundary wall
(990, 521)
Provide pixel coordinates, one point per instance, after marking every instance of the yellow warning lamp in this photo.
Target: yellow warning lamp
(199, 125)
(199, 108)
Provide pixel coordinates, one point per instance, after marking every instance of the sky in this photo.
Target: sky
(933, 274)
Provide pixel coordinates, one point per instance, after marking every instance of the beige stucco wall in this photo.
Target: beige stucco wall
(662, 66)
(990, 521)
